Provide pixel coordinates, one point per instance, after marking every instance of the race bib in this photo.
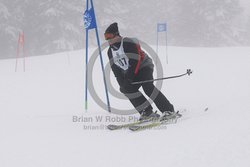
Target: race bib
(121, 60)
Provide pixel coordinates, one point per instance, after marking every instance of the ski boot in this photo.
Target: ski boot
(172, 114)
(149, 116)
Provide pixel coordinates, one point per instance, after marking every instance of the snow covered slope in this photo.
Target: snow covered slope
(38, 107)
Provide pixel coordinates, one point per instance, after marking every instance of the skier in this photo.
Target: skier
(130, 64)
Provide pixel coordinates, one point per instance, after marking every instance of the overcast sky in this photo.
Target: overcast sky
(246, 5)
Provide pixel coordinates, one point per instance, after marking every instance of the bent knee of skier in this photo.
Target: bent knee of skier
(126, 90)
(149, 88)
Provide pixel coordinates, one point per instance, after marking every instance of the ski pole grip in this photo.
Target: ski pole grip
(189, 71)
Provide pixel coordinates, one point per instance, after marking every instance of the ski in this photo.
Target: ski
(116, 127)
(171, 119)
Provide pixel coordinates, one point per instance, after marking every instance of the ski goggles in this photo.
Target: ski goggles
(108, 36)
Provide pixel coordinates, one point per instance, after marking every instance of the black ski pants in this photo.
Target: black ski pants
(138, 100)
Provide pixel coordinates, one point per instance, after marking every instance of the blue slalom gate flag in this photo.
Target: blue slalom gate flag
(161, 27)
(89, 19)
(90, 23)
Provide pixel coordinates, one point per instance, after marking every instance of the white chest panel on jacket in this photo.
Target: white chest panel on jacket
(120, 58)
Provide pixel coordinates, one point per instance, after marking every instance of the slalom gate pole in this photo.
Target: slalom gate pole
(102, 65)
(90, 23)
(20, 49)
(86, 65)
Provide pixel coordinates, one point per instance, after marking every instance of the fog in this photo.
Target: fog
(56, 25)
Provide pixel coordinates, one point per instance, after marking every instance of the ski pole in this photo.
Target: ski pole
(189, 72)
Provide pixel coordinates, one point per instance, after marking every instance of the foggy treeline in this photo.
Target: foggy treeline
(51, 26)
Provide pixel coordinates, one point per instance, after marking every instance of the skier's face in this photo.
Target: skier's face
(109, 36)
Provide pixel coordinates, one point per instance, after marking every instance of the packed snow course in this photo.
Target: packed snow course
(43, 122)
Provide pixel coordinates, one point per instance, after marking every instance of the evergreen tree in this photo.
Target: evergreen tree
(207, 22)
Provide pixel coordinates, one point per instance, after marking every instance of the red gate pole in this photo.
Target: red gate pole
(20, 46)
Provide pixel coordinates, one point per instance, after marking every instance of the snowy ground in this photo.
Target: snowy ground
(37, 110)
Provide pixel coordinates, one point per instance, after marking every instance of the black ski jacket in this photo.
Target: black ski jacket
(138, 60)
